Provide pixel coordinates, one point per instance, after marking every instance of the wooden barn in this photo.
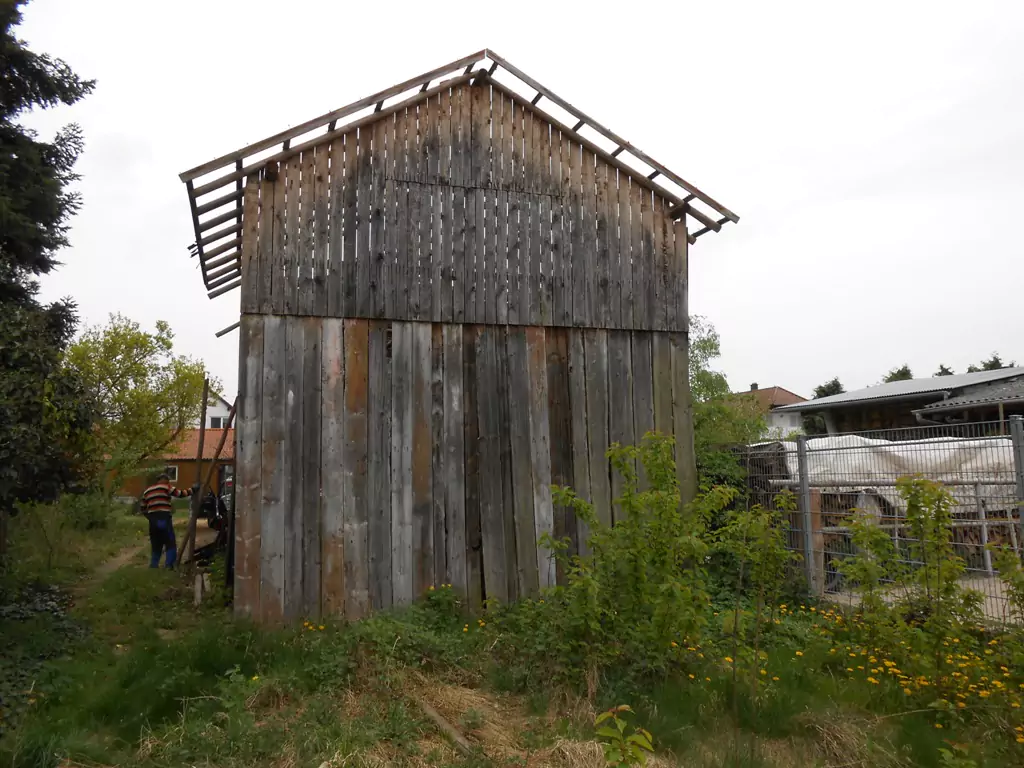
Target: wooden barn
(454, 293)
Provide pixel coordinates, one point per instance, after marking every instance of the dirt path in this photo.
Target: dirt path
(204, 536)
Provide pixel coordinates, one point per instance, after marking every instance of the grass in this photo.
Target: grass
(134, 675)
(159, 683)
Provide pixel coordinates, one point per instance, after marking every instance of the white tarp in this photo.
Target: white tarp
(970, 468)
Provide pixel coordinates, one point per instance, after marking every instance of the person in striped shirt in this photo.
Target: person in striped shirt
(156, 506)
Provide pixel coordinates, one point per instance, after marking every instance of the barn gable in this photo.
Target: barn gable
(501, 146)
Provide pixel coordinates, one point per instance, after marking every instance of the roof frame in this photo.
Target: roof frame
(219, 251)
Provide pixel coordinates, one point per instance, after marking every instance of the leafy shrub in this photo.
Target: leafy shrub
(641, 586)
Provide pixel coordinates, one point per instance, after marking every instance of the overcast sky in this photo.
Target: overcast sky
(874, 152)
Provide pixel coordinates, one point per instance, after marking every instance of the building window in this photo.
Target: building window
(215, 422)
(172, 473)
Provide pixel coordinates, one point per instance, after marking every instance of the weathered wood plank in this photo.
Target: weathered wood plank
(321, 242)
(403, 227)
(680, 269)
(639, 257)
(560, 290)
(444, 193)
(438, 146)
(662, 352)
(503, 172)
(515, 262)
(620, 398)
(501, 398)
(546, 285)
(439, 499)
(535, 172)
(294, 500)
(522, 463)
(268, 219)
(460, 154)
(491, 523)
(351, 207)
(390, 222)
(274, 470)
(364, 201)
(310, 398)
(661, 259)
(402, 541)
(422, 467)
(279, 279)
(474, 545)
(419, 205)
(249, 466)
(378, 469)
(686, 463)
(649, 258)
(560, 425)
(293, 236)
(625, 257)
(540, 451)
(596, 344)
(454, 483)
(578, 418)
(613, 273)
(307, 233)
(250, 255)
(589, 245)
(336, 252)
(643, 391)
(378, 248)
(602, 187)
(332, 468)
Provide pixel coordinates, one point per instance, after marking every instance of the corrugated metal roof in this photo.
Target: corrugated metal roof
(998, 392)
(910, 389)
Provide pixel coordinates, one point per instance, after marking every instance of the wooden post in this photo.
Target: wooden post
(191, 535)
(194, 506)
(817, 545)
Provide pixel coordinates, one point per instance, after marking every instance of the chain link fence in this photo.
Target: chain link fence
(981, 465)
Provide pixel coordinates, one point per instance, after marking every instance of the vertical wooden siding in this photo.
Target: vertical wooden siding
(377, 458)
(466, 207)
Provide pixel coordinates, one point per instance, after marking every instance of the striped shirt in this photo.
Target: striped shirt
(157, 498)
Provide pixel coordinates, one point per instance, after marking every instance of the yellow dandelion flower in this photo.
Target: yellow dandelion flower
(939, 726)
(255, 677)
(776, 679)
(692, 677)
(321, 627)
(728, 659)
(1020, 739)
(1015, 705)
(707, 679)
(764, 671)
(872, 681)
(799, 653)
(960, 705)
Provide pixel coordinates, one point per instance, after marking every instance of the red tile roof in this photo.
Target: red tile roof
(189, 441)
(772, 397)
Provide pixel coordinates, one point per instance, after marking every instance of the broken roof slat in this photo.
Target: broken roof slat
(611, 135)
(337, 114)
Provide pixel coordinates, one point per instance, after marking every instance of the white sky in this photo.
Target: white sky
(873, 151)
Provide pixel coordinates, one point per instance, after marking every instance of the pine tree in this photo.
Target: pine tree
(45, 415)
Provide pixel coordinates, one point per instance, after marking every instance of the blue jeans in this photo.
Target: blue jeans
(161, 538)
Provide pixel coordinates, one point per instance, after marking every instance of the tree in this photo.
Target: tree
(829, 388)
(720, 419)
(43, 409)
(145, 394)
(45, 413)
(902, 373)
(994, 363)
(813, 423)
(943, 371)
(35, 204)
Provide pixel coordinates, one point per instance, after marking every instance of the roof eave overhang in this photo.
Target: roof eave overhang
(812, 406)
(942, 407)
(215, 188)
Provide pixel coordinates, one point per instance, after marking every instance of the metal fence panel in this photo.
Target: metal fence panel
(981, 465)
